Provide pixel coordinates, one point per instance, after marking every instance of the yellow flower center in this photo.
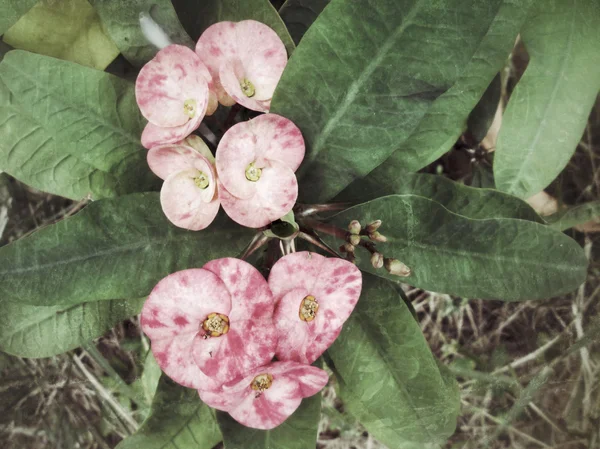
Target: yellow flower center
(253, 173)
(247, 88)
(216, 324)
(189, 107)
(262, 382)
(308, 308)
(201, 181)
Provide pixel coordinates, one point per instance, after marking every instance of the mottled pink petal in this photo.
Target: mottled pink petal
(236, 151)
(278, 139)
(164, 160)
(185, 204)
(172, 316)
(261, 59)
(276, 194)
(198, 144)
(336, 286)
(291, 382)
(172, 88)
(298, 340)
(155, 135)
(251, 339)
(217, 44)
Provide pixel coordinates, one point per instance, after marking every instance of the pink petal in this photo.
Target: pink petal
(155, 135)
(237, 150)
(298, 340)
(164, 160)
(336, 285)
(198, 144)
(261, 59)
(251, 339)
(276, 194)
(185, 204)
(291, 383)
(164, 84)
(173, 314)
(217, 44)
(278, 139)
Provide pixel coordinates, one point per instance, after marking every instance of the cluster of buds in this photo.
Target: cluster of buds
(367, 237)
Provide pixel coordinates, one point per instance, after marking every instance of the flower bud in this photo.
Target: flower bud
(354, 227)
(374, 226)
(349, 248)
(377, 260)
(397, 268)
(377, 237)
(354, 239)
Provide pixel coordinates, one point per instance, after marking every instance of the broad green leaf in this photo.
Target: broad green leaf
(497, 258)
(369, 75)
(178, 420)
(548, 110)
(64, 29)
(150, 377)
(299, 431)
(12, 10)
(470, 202)
(70, 130)
(298, 15)
(389, 380)
(574, 216)
(481, 117)
(30, 331)
(122, 22)
(114, 248)
(197, 16)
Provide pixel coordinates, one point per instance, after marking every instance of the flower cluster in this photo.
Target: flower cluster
(218, 328)
(253, 175)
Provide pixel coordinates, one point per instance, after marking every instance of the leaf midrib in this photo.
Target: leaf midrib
(354, 88)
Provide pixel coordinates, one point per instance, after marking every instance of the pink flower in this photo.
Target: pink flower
(246, 60)
(269, 394)
(189, 194)
(172, 92)
(211, 325)
(256, 161)
(315, 295)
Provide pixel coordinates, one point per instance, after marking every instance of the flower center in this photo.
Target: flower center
(216, 324)
(202, 181)
(253, 173)
(262, 382)
(308, 308)
(189, 107)
(247, 88)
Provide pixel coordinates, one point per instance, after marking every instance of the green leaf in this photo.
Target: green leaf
(389, 380)
(574, 216)
(178, 420)
(30, 331)
(298, 15)
(64, 29)
(198, 16)
(122, 22)
(358, 88)
(12, 10)
(497, 258)
(299, 431)
(470, 202)
(548, 110)
(150, 377)
(114, 248)
(70, 130)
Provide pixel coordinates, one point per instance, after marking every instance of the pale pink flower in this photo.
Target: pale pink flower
(256, 161)
(189, 194)
(268, 395)
(211, 325)
(246, 60)
(315, 295)
(172, 92)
